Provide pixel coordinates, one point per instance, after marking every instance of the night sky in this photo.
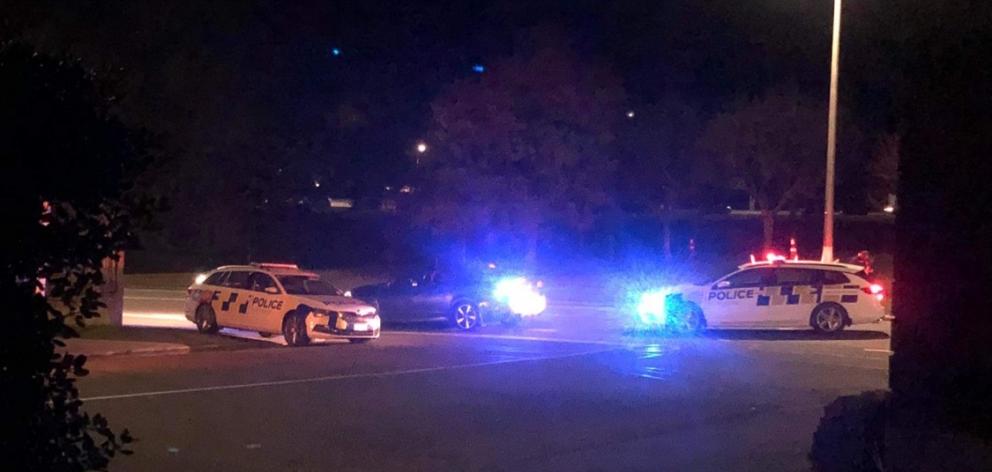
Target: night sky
(252, 102)
(216, 76)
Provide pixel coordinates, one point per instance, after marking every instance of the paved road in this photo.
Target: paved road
(556, 394)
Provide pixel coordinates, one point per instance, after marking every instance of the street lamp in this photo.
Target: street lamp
(828, 206)
(421, 147)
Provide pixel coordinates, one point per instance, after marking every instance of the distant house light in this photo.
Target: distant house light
(406, 189)
(335, 52)
(340, 202)
(478, 68)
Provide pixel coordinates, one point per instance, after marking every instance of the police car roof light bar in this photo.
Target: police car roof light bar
(275, 265)
(850, 268)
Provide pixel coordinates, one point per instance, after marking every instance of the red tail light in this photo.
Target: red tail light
(876, 290)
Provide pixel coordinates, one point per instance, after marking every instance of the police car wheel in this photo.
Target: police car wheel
(206, 320)
(689, 320)
(264, 334)
(294, 330)
(466, 316)
(829, 318)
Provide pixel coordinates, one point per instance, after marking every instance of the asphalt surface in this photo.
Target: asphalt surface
(574, 390)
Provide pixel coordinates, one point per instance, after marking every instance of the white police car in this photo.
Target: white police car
(769, 294)
(278, 298)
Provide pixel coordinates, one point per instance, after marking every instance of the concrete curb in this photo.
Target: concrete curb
(107, 348)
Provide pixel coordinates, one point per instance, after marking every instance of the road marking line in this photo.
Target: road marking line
(510, 337)
(328, 378)
(156, 315)
(161, 299)
(886, 351)
(137, 289)
(560, 307)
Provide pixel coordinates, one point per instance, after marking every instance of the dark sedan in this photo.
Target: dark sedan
(467, 301)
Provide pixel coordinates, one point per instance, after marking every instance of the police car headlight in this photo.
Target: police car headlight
(366, 311)
(651, 306)
(200, 278)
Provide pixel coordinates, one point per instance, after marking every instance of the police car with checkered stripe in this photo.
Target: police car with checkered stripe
(776, 293)
(278, 298)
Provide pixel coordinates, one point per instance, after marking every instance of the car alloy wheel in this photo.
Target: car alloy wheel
(206, 322)
(466, 316)
(688, 322)
(829, 318)
(294, 331)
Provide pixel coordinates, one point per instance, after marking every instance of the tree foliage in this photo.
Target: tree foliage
(68, 204)
(772, 147)
(524, 146)
(656, 152)
(884, 170)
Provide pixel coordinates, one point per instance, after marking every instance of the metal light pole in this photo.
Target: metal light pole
(828, 206)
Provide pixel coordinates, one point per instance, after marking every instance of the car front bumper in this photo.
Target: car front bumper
(366, 327)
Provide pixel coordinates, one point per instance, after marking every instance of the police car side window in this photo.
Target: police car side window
(259, 282)
(831, 277)
(750, 278)
(791, 276)
(237, 279)
(217, 278)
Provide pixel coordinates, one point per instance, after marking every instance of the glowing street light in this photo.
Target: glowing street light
(421, 147)
(630, 113)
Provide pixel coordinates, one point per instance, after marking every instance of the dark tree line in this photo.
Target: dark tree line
(68, 204)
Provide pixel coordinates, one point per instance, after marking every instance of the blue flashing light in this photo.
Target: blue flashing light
(520, 296)
(651, 307)
(478, 68)
(335, 52)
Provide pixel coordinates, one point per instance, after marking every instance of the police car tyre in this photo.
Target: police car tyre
(206, 320)
(465, 315)
(828, 318)
(294, 329)
(689, 318)
(264, 334)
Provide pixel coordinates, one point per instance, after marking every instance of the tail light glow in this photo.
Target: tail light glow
(875, 289)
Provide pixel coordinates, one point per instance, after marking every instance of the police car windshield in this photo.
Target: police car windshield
(304, 285)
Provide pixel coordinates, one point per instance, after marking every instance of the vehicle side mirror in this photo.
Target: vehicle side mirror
(272, 290)
(723, 284)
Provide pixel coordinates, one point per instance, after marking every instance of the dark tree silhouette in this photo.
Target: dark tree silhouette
(770, 147)
(525, 145)
(660, 174)
(67, 205)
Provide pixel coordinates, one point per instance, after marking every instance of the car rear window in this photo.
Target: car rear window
(792, 276)
(831, 277)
